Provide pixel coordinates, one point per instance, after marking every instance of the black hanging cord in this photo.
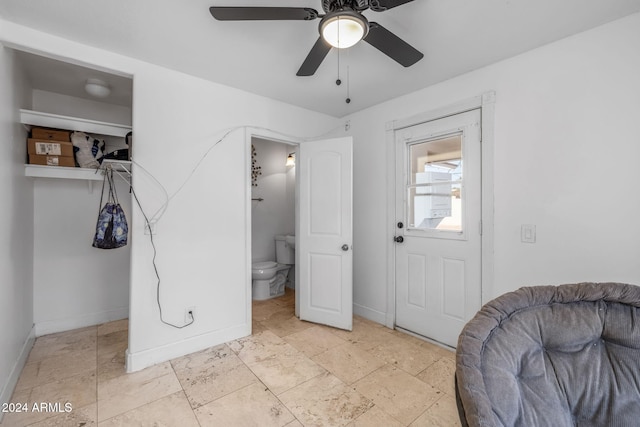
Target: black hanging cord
(338, 81)
(348, 100)
(155, 267)
(112, 188)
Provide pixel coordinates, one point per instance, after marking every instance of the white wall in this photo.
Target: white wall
(16, 232)
(203, 248)
(65, 105)
(75, 284)
(566, 153)
(276, 213)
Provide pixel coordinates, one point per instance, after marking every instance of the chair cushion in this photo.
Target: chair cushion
(556, 356)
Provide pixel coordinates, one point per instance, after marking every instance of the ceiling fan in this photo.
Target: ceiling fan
(342, 26)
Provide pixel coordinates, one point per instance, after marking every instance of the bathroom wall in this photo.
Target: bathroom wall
(276, 213)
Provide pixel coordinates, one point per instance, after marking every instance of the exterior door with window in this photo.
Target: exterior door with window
(438, 226)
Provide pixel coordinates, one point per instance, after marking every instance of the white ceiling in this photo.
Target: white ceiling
(456, 36)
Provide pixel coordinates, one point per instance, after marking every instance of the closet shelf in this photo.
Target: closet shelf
(39, 171)
(122, 167)
(36, 118)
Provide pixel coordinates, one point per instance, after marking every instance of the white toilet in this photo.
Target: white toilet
(269, 277)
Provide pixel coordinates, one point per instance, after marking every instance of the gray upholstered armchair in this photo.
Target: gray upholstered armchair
(552, 356)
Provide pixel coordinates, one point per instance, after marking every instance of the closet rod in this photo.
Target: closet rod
(120, 167)
(116, 165)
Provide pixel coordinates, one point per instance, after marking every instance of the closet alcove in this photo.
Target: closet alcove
(74, 284)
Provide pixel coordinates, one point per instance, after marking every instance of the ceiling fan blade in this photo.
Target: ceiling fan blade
(314, 58)
(382, 5)
(391, 45)
(263, 13)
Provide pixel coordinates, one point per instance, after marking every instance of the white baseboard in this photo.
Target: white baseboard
(369, 313)
(143, 359)
(423, 338)
(390, 321)
(61, 325)
(10, 385)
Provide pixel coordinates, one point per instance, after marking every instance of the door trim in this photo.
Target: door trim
(249, 133)
(486, 104)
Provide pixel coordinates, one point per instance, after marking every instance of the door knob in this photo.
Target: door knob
(345, 247)
(398, 239)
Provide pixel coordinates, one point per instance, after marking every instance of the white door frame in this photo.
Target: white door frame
(275, 137)
(486, 103)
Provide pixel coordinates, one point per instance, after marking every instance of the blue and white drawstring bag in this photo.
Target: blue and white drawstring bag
(112, 228)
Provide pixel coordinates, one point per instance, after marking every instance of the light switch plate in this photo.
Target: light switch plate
(528, 233)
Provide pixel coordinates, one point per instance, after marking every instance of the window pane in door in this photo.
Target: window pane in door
(434, 190)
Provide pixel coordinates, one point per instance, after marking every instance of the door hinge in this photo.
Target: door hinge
(480, 226)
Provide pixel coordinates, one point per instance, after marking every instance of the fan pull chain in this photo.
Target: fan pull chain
(348, 100)
(338, 81)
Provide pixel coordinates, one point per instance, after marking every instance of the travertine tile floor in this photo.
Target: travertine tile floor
(288, 373)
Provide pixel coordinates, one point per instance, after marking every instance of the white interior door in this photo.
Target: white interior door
(324, 254)
(438, 226)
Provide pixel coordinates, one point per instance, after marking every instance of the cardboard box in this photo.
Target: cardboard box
(52, 148)
(50, 134)
(36, 159)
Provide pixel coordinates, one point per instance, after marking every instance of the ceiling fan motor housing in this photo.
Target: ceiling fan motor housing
(334, 5)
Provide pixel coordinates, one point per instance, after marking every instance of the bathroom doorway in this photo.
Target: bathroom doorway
(318, 195)
(273, 214)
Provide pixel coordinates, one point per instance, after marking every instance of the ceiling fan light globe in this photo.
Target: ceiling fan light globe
(343, 29)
